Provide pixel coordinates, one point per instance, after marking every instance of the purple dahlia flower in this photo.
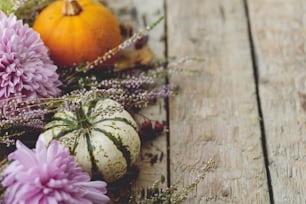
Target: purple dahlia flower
(25, 66)
(49, 175)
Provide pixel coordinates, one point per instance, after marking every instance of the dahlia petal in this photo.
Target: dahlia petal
(51, 200)
(28, 176)
(26, 192)
(52, 150)
(2, 93)
(53, 177)
(23, 56)
(27, 77)
(97, 198)
(82, 177)
(30, 194)
(57, 183)
(24, 155)
(95, 191)
(40, 148)
(45, 174)
(10, 196)
(4, 77)
(66, 196)
(83, 201)
(16, 80)
(35, 199)
(98, 186)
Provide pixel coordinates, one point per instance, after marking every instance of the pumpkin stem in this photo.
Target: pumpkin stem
(71, 8)
(82, 118)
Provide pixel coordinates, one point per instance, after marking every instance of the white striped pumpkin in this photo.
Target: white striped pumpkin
(101, 135)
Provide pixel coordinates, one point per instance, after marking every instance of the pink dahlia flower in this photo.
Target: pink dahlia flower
(49, 176)
(25, 66)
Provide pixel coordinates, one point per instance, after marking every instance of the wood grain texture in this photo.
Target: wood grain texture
(215, 115)
(279, 28)
(151, 172)
(142, 14)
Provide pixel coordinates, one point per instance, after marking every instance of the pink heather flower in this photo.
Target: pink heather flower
(49, 175)
(25, 66)
(18, 3)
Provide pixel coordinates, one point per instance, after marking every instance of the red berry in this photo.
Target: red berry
(146, 131)
(140, 43)
(159, 127)
(147, 124)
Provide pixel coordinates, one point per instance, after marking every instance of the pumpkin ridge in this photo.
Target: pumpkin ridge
(75, 143)
(118, 143)
(65, 115)
(106, 148)
(66, 121)
(91, 106)
(91, 155)
(82, 119)
(63, 133)
(124, 120)
(61, 122)
(56, 125)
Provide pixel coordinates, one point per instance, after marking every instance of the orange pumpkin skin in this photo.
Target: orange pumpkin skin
(77, 38)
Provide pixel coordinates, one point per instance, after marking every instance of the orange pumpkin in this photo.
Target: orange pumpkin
(77, 31)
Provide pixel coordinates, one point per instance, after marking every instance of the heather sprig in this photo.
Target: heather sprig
(184, 65)
(128, 42)
(68, 76)
(171, 195)
(7, 138)
(135, 88)
(17, 114)
(132, 90)
(18, 3)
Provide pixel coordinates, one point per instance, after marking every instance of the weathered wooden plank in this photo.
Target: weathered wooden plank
(142, 15)
(278, 28)
(151, 172)
(215, 115)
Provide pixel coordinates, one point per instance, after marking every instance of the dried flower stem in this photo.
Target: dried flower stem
(171, 195)
(100, 60)
(183, 194)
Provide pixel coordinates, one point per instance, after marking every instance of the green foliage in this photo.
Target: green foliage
(6, 6)
(30, 9)
(26, 10)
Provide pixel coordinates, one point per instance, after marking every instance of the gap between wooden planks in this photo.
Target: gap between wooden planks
(145, 13)
(278, 32)
(216, 113)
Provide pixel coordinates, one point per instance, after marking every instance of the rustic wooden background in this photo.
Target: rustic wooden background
(246, 107)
